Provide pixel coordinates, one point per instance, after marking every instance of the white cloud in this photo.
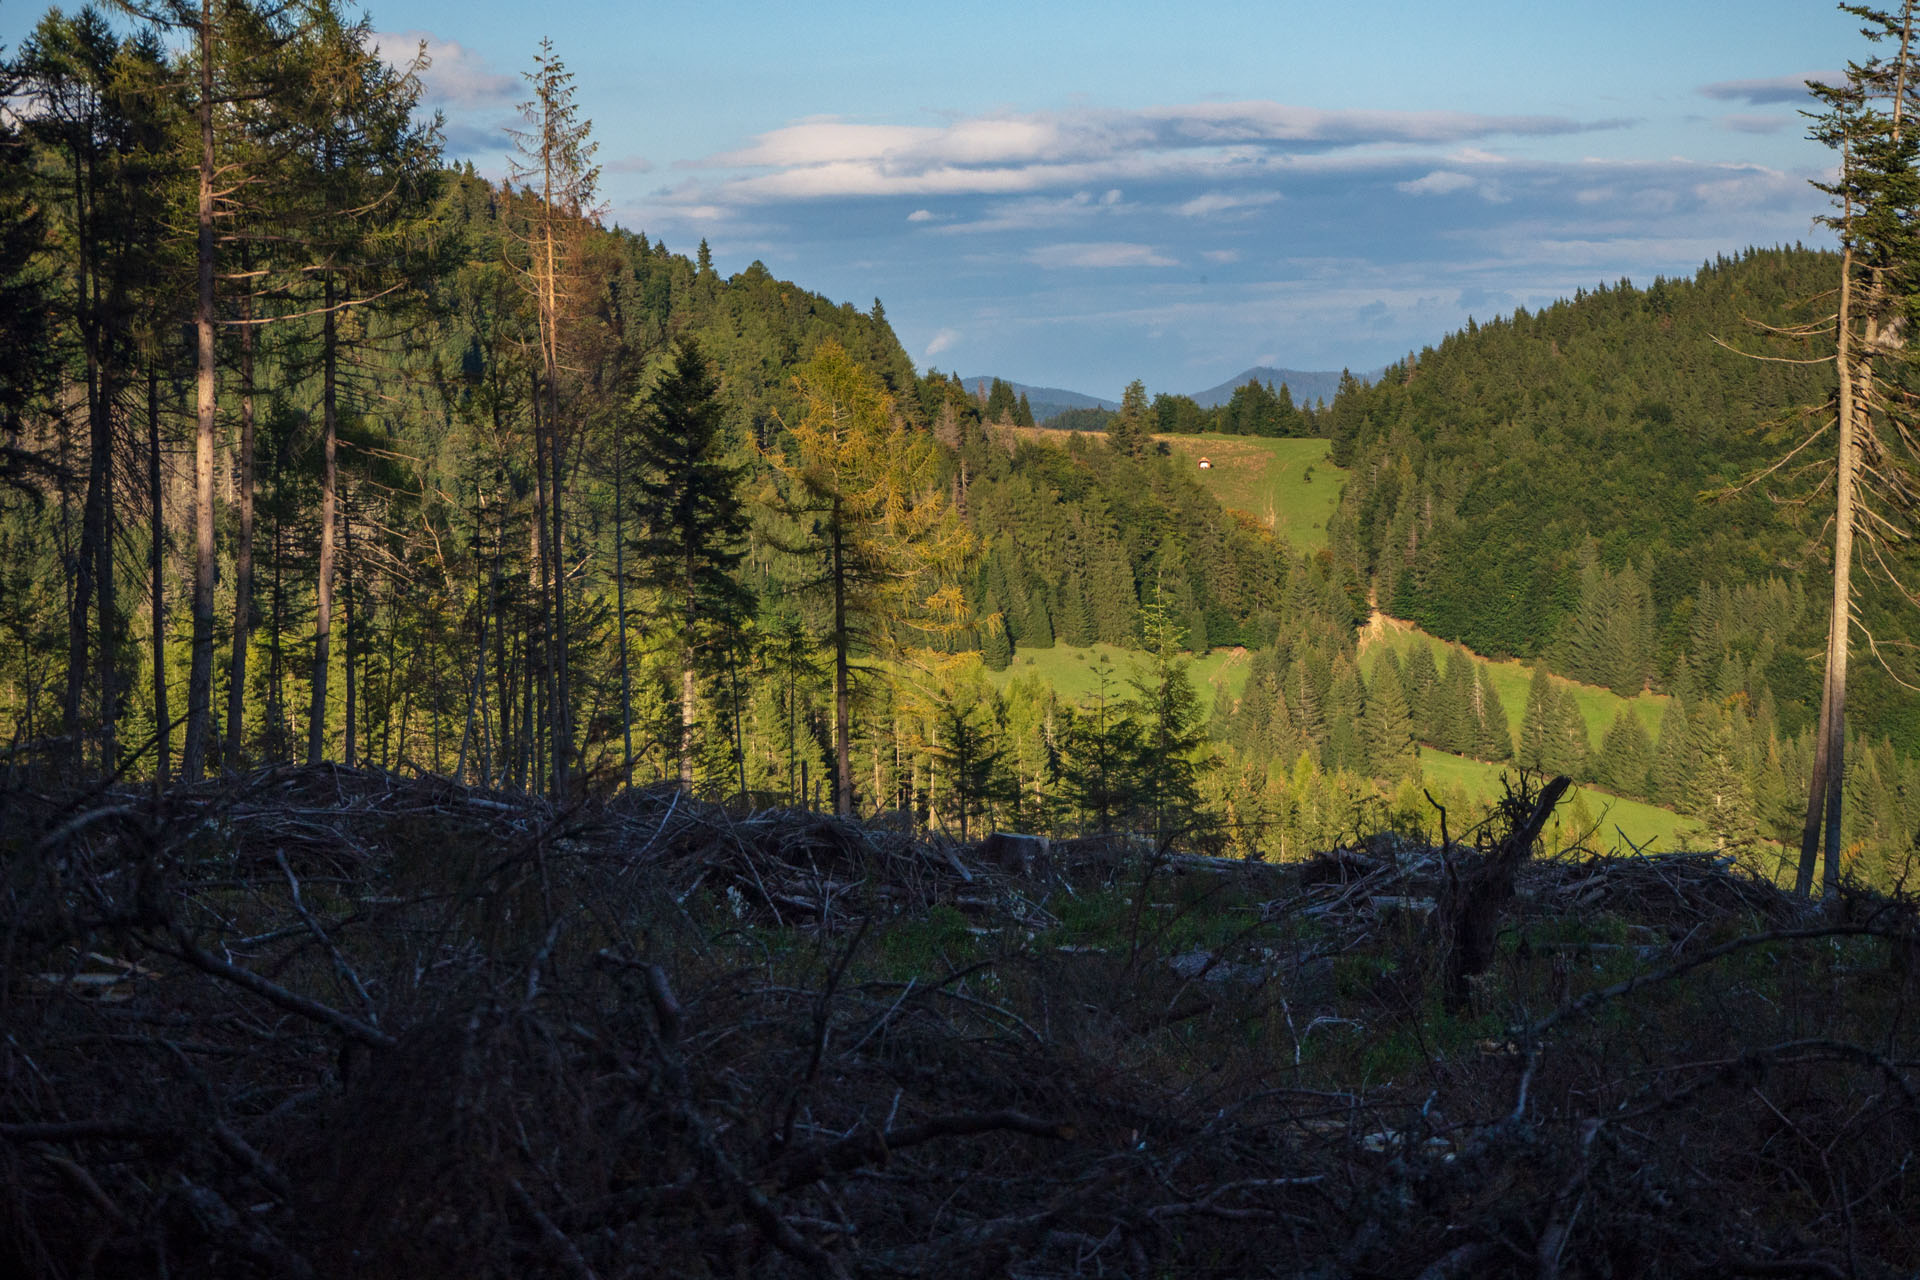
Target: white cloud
(1744, 187)
(1216, 203)
(630, 164)
(920, 215)
(1087, 147)
(1031, 213)
(1100, 255)
(941, 341)
(1441, 182)
(1221, 256)
(457, 76)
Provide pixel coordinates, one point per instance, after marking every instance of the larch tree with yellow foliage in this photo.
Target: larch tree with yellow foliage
(859, 496)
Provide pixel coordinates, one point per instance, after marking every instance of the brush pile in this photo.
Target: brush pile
(321, 1022)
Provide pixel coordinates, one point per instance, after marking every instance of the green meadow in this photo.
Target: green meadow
(1511, 678)
(1074, 671)
(1648, 827)
(1289, 486)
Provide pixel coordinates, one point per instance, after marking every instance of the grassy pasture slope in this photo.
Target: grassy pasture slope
(1598, 706)
(1264, 479)
(1641, 822)
(1073, 670)
(1270, 481)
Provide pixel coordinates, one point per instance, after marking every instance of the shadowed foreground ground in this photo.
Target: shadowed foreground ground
(333, 1023)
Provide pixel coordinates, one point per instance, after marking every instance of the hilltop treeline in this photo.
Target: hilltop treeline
(1255, 409)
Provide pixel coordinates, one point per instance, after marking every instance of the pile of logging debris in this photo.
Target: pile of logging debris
(324, 1022)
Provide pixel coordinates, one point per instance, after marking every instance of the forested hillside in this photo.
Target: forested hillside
(1490, 469)
(1609, 488)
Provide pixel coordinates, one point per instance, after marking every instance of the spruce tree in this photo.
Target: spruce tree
(1626, 753)
(1076, 619)
(972, 752)
(1247, 725)
(1496, 738)
(1582, 648)
(1172, 735)
(1569, 750)
(996, 648)
(692, 526)
(1128, 429)
(1101, 748)
(1452, 714)
(1000, 407)
(1420, 680)
(1388, 730)
(1346, 700)
(1675, 758)
(1308, 710)
(1036, 626)
(1283, 740)
(1538, 721)
(100, 122)
(1718, 792)
(1628, 641)
(27, 291)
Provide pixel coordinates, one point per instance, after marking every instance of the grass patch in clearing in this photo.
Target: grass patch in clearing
(1511, 678)
(1480, 782)
(1289, 486)
(1073, 671)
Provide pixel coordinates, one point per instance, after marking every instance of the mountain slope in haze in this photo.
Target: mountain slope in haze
(1306, 386)
(1046, 401)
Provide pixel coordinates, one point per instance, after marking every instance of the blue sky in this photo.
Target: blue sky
(1079, 194)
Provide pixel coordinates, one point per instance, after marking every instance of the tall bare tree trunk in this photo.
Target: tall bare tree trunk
(88, 561)
(1848, 468)
(242, 553)
(546, 574)
(329, 501)
(562, 692)
(200, 676)
(349, 751)
(108, 657)
(842, 699)
(620, 604)
(1829, 781)
(156, 564)
(688, 707)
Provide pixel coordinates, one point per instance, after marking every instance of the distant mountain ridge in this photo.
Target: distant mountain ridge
(1305, 385)
(1045, 401)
